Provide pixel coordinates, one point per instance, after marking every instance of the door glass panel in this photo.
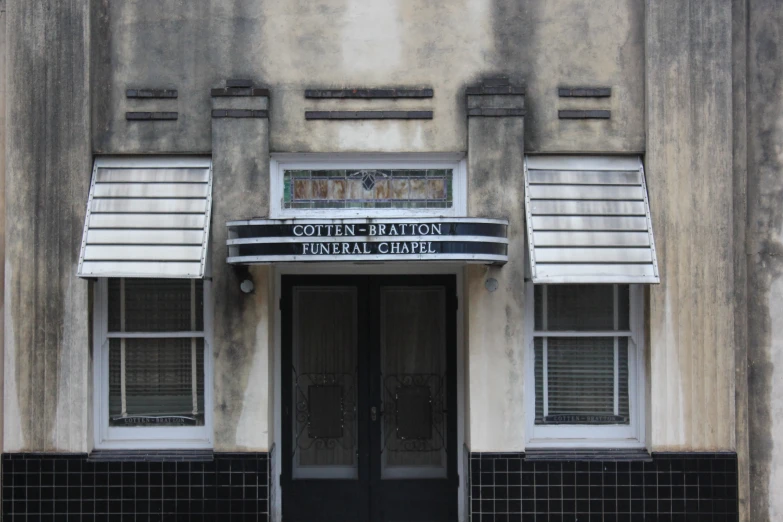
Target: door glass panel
(324, 382)
(413, 373)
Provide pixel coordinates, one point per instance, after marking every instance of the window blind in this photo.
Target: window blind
(156, 352)
(581, 358)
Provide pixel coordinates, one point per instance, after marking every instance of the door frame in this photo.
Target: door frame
(353, 269)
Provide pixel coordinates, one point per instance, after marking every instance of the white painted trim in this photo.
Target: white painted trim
(366, 239)
(106, 437)
(349, 221)
(584, 436)
(582, 162)
(306, 259)
(351, 269)
(134, 162)
(279, 163)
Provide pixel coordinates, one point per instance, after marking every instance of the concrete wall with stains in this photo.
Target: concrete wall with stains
(2, 198)
(47, 392)
(765, 256)
(72, 64)
(690, 176)
(289, 46)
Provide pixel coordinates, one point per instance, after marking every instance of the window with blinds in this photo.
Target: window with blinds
(581, 344)
(156, 352)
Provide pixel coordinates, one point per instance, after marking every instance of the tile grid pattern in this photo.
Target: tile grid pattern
(233, 486)
(688, 487)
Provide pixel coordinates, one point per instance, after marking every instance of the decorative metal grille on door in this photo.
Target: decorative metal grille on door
(413, 364)
(324, 382)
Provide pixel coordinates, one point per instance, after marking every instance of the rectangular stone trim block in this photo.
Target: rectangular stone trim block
(496, 112)
(495, 85)
(370, 93)
(150, 116)
(151, 93)
(42, 486)
(368, 115)
(571, 114)
(672, 486)
(239, 91)
(584, 92)
(239, 113)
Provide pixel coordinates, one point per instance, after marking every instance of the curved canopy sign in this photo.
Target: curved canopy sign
(468, 240)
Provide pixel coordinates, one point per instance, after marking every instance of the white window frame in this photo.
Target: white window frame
(146, 437)
(288, 161)
(631, 435)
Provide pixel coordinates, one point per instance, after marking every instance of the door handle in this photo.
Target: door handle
(374, 413)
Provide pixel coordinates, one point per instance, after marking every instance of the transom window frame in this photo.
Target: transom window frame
(633, 434)
(146, 437)
(282, 162)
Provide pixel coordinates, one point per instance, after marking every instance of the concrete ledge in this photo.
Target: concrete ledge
(368, 115)
(239, 91)
(425, 92)
(584, 92)
(151, 116)
(151, 456)
(239, 113)
(571, 114)
(151, 93)
(495, 112)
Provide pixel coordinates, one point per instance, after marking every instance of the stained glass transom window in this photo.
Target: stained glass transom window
(368, 188)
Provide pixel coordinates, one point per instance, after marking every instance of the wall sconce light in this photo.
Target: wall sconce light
(491, 284)
(247, 286)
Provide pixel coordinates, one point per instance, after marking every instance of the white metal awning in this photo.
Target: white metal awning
(588, 220)
(147, 218)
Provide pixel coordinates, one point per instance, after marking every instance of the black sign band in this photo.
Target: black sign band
(355, 240)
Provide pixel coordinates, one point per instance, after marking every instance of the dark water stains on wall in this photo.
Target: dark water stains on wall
(765, 176)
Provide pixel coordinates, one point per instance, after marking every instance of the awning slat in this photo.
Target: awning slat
(147, 219)
(149, 206)
(587, 177)
(589, 220)
(147, 175)
(587, 192)
(588, 208)
(151, 190)
(170, 221)
(588, 255)
(605, 223)
(150, 269)
(144, 237)
(145, 253)
(597, 239)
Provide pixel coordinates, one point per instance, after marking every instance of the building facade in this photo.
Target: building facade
(391, 260)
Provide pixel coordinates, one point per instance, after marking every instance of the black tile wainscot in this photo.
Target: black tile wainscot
(71, 487)
(687, 487)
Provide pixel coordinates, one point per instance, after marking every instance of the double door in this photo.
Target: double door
(369, 399)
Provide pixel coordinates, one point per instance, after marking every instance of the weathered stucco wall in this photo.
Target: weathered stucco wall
(495, 319)
(242, 322)
(47, 349)
(689, 168)
(3, 84)
(765, 305)
(289, 46)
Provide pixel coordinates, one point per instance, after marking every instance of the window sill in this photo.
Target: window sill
(151, 456)
(597, 454)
